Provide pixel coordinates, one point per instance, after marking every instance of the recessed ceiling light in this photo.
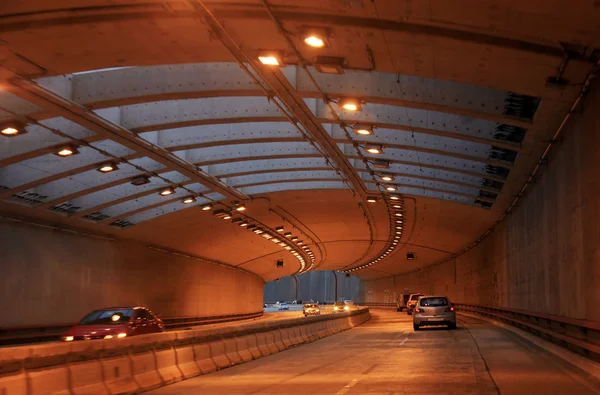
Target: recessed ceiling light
(294, 238)
(288, 234)
(167, 191)
(270, 58)
(390, 188)
(350, 104)
(206, 207)
(279, 229)
(12, 129)
(66, 150)
(394, 197)
(397, 206)
(244, 224)
(371, 199)
(374, 148)
(108, 167)
(398, 214)
(188, 200)
(363, 130)
(387, 178)
(314, 41)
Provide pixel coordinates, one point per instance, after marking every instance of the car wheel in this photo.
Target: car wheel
(452, 326)
(415, 327)
(398, 309)
(408, 313)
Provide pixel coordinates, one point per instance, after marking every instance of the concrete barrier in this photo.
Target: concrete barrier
(141, 363)
(243, 348)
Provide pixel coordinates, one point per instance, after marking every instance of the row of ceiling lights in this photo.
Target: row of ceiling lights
(396, 233)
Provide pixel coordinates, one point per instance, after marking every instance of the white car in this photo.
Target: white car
(282, 306)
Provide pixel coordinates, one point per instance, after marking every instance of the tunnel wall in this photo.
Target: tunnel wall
(545, 255)
(55, 277)
(317, 285)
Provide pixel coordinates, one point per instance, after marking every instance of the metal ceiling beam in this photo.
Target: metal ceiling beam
(221, 143)
(451, 169)
(88, 191)
(108, 221)
(124, 199)
(398, 184)
(44, 98)
(523, 123)
(58, 176)
(443, 180)
(173, 126)
(253, 184)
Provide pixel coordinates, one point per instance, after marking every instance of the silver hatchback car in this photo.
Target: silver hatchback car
(434, 310)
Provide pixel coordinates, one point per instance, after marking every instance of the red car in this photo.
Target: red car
(115, 323)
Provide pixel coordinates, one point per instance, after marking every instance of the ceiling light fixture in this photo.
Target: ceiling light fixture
(330, 64)
(239, 206)
(380, 163)
(372, 199)
(350, 104)
(167, 191)
(363, 130)
(279, 229)
(394, 197)
(141, 180)
(390, 188)
(66, 150)
(108, 167)
(397, 206)
(188, 200)
(374, 149)
(12, 129)
(387, 177)
(270, 58)
(243, 224)
(206, 207)
(288, 234)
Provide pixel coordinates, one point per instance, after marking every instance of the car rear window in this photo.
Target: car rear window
(108, 317)
(309, 305)
(433, 302)
(415, 297)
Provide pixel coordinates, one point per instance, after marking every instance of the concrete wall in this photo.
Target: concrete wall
(318, 286)
(50, 276)
(545, 255)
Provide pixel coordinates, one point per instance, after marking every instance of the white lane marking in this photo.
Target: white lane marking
(347, 387)
(405, 339)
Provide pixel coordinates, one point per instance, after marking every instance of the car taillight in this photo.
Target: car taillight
(450, 309)
(418, 310)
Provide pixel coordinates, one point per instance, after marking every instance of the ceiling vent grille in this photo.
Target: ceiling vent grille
(65, 208)
(521, 106)
(121, 223)
(28, 198)
(96, 216)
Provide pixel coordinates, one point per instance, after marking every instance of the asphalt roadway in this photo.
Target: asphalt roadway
(385, 356)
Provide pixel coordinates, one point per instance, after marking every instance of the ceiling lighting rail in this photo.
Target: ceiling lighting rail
(397, 224)
(348, 104)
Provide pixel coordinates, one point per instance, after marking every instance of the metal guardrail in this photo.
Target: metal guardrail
(578, 335)
(44, 333)
(378, 304)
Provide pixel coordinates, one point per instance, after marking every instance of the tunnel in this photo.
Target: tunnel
(252, 193)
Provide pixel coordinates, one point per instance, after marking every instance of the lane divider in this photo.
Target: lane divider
(145, 362)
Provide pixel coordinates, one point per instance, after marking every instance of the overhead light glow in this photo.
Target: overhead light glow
(108, 167)
(349, 104)
(167, 191)
(188, 200)
(398, 214)
(394, 197)
(390, 188)
(374, 149)
(397, 206)
(240, 207)
(244, 224)
(67, 150)
(270, 59)
(363, 130)
(372, 199)
(206, 207)
(288, 234)
(314, 41)
(388, 178)
(279, 229)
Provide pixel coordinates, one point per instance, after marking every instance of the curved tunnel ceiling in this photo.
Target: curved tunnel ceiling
(458, 134)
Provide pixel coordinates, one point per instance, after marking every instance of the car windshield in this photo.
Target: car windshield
(108, 317)
(309, 306)
(415, 297)
(433, 302)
